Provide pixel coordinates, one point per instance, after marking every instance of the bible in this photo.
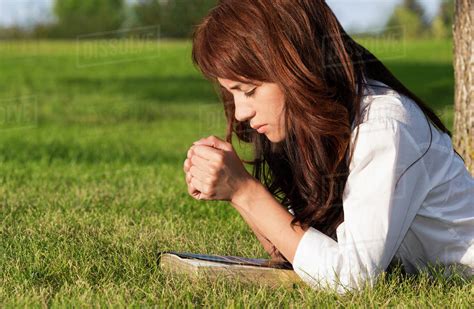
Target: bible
(260, 271)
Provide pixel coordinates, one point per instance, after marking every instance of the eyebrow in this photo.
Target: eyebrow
(236, 86)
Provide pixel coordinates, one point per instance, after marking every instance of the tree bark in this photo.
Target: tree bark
(463, 138)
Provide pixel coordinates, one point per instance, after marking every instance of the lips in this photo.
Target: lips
(257, 126)
(261, 128)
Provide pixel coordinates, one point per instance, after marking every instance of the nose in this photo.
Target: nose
(243, 111)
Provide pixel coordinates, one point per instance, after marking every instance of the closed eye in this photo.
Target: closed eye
(251, 93)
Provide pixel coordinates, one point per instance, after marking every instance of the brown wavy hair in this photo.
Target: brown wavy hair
(301, 46)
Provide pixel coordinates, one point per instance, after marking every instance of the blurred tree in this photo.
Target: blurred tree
(439, 29)
(76, 17)
(464, 74)
(405, 20)
(44, 30)
(447, 12)
(442, 24)
(410, 18)
(148, 12)
(415, 7)
(13, 32)
(175, 17)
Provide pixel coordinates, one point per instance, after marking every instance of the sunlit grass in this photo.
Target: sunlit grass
(92, 185)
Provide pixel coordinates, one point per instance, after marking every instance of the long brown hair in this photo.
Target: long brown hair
(301, 46)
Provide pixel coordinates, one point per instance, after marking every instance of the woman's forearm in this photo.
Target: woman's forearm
(258, 206)
(267, 245)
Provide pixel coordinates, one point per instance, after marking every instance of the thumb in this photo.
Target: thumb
(215, 142)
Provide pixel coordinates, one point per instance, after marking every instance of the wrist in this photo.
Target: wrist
(242, 197)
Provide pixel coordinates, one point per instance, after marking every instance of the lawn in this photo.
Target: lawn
(92, 143)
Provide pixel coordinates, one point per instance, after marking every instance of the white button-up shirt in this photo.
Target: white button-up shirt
(425, 219)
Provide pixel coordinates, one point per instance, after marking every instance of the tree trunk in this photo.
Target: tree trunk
(463, 139)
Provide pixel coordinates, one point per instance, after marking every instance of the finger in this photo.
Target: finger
(190, 152)
(207, 152)
(204, 197)
(187, 164)
(215, 142)
(202, 164)
(203, 169)
(195, 194)
(200, 186)
(201, 175)
(191, 189)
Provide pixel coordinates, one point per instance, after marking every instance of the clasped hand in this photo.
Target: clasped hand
(214, 171)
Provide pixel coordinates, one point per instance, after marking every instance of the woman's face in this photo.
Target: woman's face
(261, 104)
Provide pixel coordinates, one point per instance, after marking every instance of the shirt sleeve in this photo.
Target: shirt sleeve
(377, 211)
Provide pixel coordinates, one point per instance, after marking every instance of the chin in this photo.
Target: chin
(274, 139)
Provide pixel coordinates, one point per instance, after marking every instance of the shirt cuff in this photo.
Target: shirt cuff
(317, 263)
(308, 260)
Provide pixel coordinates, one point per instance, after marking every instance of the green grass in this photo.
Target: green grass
(92, 188)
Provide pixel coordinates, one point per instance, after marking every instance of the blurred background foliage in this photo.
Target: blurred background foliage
(410, 16)
(177, 18)
(75, 17)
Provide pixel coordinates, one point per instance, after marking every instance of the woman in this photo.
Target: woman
(352, 172)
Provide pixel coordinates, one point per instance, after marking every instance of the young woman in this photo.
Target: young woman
(352, 173)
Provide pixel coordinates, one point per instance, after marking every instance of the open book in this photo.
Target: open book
(260, 271)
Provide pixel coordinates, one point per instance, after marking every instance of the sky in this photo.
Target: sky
(355, 15)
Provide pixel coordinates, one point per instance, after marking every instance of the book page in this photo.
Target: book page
(232, 260)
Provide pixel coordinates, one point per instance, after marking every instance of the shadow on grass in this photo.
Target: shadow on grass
(174, 89)
(432, 82)
(93, 153)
